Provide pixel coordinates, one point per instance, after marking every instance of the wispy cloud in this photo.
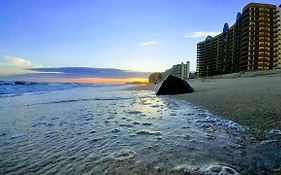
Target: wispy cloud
(10, 65)
(73, 74)
(17, 62)
(200, 34)
(89, 72)
(76, 74)
(148, 43)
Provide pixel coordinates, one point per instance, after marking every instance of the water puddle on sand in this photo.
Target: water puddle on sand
(137, 133)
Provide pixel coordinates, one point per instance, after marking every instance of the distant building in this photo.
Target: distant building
(192, 75)
(179, 70)
(252, 43)
(155, 78)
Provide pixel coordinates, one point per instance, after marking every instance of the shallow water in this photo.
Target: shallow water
(108, 130)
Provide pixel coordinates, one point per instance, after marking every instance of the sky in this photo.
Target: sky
(129, 35)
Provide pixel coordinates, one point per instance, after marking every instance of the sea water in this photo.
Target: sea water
(102, 129)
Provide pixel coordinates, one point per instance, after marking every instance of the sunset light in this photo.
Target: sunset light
(140, 87)
(103, 80)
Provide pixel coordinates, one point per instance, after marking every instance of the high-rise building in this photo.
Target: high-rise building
(279, 30)
(251, 43)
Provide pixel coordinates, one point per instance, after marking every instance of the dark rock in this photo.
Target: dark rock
(20, 83)
(173, 85)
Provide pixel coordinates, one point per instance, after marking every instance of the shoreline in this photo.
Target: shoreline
(251, 99)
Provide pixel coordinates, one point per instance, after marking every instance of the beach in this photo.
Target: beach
(66, 128)
(251, 99)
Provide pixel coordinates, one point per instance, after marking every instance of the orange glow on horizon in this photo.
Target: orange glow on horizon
(102, 80)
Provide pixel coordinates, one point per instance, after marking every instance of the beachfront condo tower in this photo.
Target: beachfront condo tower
(251, 43)
(279, 30)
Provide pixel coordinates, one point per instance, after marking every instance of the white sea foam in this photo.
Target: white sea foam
(19, 87)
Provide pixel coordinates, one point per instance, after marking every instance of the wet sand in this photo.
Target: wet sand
(250, 99)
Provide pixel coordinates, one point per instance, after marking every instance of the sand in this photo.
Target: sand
(250, 99)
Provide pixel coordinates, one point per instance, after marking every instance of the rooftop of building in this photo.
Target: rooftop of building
(253, 4)
(226, 27)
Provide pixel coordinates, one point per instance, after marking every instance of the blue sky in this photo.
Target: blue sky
(138, 35)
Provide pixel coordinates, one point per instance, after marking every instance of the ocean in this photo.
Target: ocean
(68, 128)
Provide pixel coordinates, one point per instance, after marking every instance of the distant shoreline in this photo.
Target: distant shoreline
(251, 99)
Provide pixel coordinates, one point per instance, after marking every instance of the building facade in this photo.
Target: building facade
(179, 70)
(252, 43)
(279, 29)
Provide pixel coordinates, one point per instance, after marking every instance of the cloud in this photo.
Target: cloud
(17, 62)
(200, 34)
(76, 74)
(148, 43)
(87, 72)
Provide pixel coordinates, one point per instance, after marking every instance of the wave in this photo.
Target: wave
(83, 99)
(14, 88)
